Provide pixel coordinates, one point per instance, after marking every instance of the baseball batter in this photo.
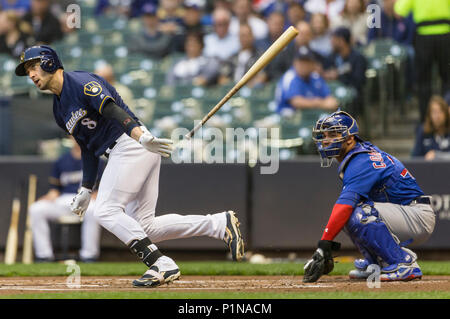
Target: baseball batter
(65, 179)
(90, 109)
(381, 206)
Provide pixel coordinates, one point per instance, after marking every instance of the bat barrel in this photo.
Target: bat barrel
(263, 60)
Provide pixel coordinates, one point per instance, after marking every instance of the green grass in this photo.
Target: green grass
(205, 268)
(155, 294)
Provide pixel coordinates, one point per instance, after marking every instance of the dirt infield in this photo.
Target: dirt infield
(23, 285)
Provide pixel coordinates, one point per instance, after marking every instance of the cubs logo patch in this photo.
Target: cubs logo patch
(92, 88)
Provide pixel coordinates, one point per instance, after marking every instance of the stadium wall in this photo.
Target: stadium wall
(287, 210)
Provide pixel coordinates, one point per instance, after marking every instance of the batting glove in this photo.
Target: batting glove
(81, 201)
(161, 146)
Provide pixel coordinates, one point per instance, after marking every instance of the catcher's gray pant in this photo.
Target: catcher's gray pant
(43, 211)
(414, 222)
(127, 197)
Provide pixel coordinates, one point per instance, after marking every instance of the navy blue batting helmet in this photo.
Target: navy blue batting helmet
(333, 129)
(48, 57)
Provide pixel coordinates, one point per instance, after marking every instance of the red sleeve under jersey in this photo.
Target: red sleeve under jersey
(339, 217)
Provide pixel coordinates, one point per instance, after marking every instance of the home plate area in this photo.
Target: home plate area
(17, 285)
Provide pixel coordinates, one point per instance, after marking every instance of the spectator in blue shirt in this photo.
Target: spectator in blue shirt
(433, 137)
(20, 6)
(303, 88)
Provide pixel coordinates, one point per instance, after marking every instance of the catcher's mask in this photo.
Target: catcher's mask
(330, 132)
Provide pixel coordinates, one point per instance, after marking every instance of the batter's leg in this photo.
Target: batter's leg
(124, 176)
(90, 235)
(222, 226)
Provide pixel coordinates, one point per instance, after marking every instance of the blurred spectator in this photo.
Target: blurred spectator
(15, 36)
(347, 65)
(267, 7)
(303, 88)
(46, 27)
(303, 39)
(235, 68)
(244, 15)
(283, 60)
(106, 71)
(321, 42)
(20, 6)
(151, 41)
(354, 16)
(59, 7)
(192, 22)
(123, 8)
(431, 44)
(330, 8)
(296, 13)
(170, 16)
(221, 43)
(113, 7)
(433, 137)
(222, 4)
(194, 68)
(393, 26)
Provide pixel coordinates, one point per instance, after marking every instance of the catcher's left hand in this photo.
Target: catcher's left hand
(321, 262)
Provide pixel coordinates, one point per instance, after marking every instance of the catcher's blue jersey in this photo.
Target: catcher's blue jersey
(79, 107)
(368, 173)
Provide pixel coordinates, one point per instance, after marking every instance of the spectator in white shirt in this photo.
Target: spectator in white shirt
(221, 43)
(330, 8)
(354, 17)
(194, 68)
(321, 42)
(243, 15)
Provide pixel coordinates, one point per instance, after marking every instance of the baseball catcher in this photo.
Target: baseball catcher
(381, 205)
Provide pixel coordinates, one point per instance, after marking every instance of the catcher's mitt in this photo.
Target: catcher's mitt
(321, 262)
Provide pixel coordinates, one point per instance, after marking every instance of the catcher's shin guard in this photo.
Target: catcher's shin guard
(374, 239)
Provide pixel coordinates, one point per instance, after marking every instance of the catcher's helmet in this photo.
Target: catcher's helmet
(334, 128)
(48, 57)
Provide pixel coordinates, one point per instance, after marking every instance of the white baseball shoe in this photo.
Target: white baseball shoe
(360, 273)
(163, 271)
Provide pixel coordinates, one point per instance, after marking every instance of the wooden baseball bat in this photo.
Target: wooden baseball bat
(263, 60)
(27, 254)
(13, 234)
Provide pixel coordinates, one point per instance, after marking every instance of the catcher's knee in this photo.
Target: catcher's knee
(362, 215)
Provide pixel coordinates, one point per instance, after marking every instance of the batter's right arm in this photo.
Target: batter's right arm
(153, 144)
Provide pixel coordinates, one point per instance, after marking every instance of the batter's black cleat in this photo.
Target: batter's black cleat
(233, 237)
(163, 271)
